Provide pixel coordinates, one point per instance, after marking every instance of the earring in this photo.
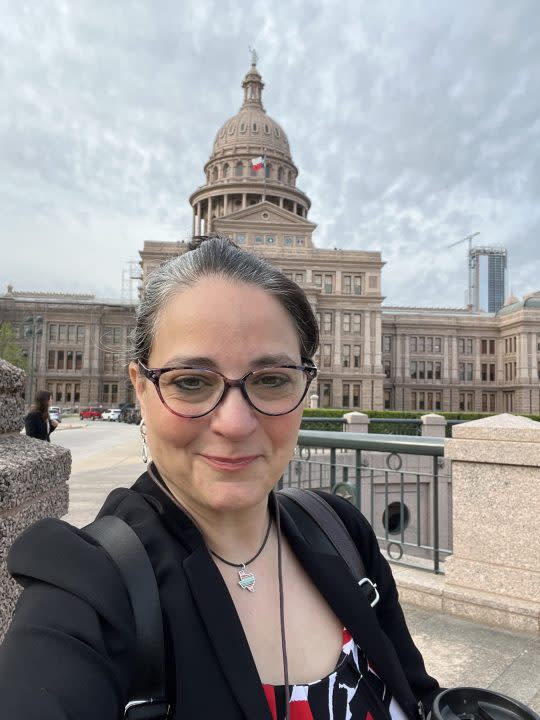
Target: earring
(144, 449)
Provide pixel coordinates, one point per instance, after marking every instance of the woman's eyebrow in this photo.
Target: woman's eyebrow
(206, 362)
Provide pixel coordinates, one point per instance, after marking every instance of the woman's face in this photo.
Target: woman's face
(233, 327)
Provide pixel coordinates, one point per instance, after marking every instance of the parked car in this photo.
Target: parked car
(113, 415)
(105, 414)
(55, 413)
(90, 413)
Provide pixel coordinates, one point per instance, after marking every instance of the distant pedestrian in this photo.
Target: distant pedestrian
(38, 423)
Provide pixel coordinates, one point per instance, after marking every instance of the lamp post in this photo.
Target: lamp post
(33, 328)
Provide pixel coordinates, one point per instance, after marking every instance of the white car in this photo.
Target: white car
(113, 415)
(105, 415)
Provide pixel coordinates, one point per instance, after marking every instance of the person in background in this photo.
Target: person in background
(37, 423)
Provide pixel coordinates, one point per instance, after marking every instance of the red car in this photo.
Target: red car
(90, 413)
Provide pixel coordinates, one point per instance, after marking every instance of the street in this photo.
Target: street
(105, 455)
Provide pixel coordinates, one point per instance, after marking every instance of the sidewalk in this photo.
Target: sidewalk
(456, 651)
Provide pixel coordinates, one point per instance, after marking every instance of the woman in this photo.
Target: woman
(37, 423)
(222, 362)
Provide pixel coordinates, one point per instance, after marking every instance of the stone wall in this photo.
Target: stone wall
(33, 479)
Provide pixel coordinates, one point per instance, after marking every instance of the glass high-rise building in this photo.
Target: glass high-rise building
(496, 280)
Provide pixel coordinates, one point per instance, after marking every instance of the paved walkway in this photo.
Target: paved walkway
(456, 651)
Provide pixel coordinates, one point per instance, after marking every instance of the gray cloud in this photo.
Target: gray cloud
(412, 125)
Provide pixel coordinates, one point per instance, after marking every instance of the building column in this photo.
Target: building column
(193, 222)
(244, 200)
(280, 202)
(446, 352)
(397, 357)
(225, 204)
(407, 368)
(454, 369)
(199, 218)
(367, 341)
(378, 342)
(337, 340)
(208, 229)
(476, 370)
(295, 205)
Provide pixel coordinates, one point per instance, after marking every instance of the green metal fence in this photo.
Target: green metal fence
(397, 481)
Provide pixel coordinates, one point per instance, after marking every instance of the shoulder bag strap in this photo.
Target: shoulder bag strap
(122, 544)
(332, 526)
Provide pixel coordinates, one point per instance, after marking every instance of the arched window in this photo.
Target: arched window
(255, 127)
(289, 178)
(239, 169)
(215, 174)
(280, 174)
(225, 172)
(268, 170)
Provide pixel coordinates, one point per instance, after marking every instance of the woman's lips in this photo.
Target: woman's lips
(231, 464)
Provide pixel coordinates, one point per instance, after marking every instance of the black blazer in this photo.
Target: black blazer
(36, 427)
(70, 650)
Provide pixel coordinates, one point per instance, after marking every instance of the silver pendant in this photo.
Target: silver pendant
(247, 579)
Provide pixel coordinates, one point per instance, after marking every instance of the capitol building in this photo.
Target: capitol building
(372, 356)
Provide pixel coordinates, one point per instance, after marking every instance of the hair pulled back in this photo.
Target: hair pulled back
(41, 403)
(219, 256)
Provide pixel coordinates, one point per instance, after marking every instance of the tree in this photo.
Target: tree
(10, 349)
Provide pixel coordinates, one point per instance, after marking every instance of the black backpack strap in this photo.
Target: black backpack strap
(332, 526)
(122, 544)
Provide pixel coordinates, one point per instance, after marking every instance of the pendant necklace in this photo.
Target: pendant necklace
(247, 579)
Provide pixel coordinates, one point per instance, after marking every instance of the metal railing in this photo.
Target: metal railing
(399, 482)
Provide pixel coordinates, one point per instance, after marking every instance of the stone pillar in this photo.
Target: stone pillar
(406, 354)
(357, 422)
(33, 480)
(494, 574)
(199, 218)
(433, 425)
(244, 200)
(225, 204)
(445, 373)
(337, 339)
(378, 342)
(314, 401)
(209, 228)
(281, 202)
(193, 228)
(367, 341)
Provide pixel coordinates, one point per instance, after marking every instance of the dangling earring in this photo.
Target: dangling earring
(142, 430)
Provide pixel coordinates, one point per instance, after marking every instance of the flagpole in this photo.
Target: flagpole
(264, 171)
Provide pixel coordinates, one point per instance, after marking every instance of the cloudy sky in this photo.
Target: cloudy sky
(413, 124)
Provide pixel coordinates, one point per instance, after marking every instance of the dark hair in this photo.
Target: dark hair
(41, 403)
(216, 255)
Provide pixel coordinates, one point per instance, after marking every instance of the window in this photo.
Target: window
(421, 370)
(326, 394)
(483, 350)
(484, 402)
(357, 284)
(68, 392)
(72, 333)
(259, 240)
(437, 370)
(492, 402)
(429, 344)
(280, 174)
(462, 401)
(105, 393)
(346, 322)
(387, 367)
(437, 344)
(62, 333)
(299, 278)
(430, 401)
(429, 371)
(267, 171)
(461, 345)
(225, 172)
(346, 284)
(346, 356)
(112, 335)
(421, 344)
(299, 240)
(491, 372)
(240, 238)
(469, 401)
(438, 401)
(387, 343)
(469, 346)
(421, 401)
(327, 319)
(413, 344)
(387, 400)
(328, 283)
(461, 373)
(492, 347)
(69, 360)
(356, 323)
(345, 395)
(114, 393)
(53, 333)
(357, 353)
(60, 360)
(413, 369)
(58, 392)
(238, 169)
(51, 359)
(356, 395)
(469, 371)
(270, 240)
(77, 392)
(317, 279)
(78, 360)
(288, 241)
(484, 372)
(327, 356)
(413, 400)
(80, 333)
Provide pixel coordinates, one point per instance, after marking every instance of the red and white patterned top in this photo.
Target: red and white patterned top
(353, 691)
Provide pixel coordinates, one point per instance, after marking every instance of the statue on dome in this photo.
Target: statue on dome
(254, 56)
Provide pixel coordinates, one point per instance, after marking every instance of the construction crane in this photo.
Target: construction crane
(470, 264)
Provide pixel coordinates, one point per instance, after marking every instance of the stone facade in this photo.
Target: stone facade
(33, 479)
(79, 350)
(372, 356)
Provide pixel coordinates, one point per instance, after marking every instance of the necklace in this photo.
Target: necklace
(247, 579)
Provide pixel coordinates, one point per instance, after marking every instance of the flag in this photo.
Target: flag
(258, 163)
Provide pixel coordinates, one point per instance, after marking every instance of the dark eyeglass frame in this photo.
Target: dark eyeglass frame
(154, 374)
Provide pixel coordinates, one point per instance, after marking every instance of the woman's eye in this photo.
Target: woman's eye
(190, 383)
(271, 381)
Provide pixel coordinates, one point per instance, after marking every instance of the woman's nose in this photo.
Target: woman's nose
(234, 416)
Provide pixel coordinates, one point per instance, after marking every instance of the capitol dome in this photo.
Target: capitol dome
(251, 125)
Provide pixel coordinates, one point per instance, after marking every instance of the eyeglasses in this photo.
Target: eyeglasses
(192, 392)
